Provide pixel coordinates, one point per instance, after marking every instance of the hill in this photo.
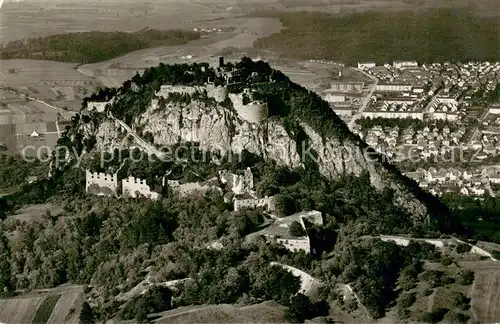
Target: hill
(248, 116)
(295, 128)
(91, 47)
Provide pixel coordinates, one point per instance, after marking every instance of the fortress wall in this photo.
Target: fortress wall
(219, 93)
(165, 90)
(238, 184)
(103, 181)
(135, 187)
(254, 112)
(267, 202)
(99, 106)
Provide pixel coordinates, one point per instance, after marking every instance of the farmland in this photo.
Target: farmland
(58, 305)
(486, 295)
(45, 309)
(25, 122)
(19, 310)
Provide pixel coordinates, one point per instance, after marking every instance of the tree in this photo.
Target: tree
(296, 229)
(86, 314)
(434, 316)
(300, 309)
(284, 205)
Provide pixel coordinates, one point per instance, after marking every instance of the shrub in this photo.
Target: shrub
(296, 230)
(447, 280)
(403, 313)
(86, 314)
(406, 300)
(446, 261)
(460, 300)
(351, 305)
(434, 316)
(496, 254)
(463, 248)
(455, 317)
(466, 277)
(428, 292)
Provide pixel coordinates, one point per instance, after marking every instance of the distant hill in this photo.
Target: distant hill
(426, 36)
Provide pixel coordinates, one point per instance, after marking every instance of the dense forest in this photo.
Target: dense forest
(94, 46)
(428, 36)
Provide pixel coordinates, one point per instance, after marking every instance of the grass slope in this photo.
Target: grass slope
(45, 309)
(19, 310)
(428, 36)
(269, 312)
(486, 297)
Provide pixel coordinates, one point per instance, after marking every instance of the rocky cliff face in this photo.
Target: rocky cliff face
(219, 128)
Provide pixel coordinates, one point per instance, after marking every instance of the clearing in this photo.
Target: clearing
(272, 312)
(57, 305)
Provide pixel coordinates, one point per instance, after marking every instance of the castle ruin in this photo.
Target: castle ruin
(99, 106)
(219, 93)
(267, 202)
(238, 184)
(253, 112)
(135, 187)
(101, 184)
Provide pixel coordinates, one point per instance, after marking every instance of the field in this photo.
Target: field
(53, 306)
(45, 309)
(270, 311)
(485, 294)
(67, 309)
(114, 72)
(19, 310)
(28, 123)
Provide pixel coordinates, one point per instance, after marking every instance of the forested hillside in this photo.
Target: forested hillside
(428, 36)
(118, 246)
(92, 47)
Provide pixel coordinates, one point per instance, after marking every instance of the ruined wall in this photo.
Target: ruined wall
(134, 187)
(99, 106)
(165, 90)
(238, 184)
(267, 202)
(254, 112)
(314, 217)
(219, 93)
(101, 184)
(296, 245)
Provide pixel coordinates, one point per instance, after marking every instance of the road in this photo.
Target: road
(433, 100)
(480, 121)
(366, 100)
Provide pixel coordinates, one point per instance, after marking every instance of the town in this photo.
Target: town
(441, 120)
